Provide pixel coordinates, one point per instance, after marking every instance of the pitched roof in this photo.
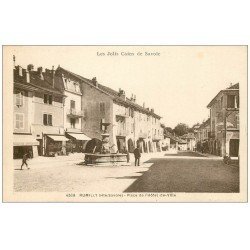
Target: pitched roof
(36, 81)
(233, 87)
(112, 93)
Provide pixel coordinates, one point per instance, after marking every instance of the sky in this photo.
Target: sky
(178, 83)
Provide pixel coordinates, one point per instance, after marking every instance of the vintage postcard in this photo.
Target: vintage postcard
(125, 123)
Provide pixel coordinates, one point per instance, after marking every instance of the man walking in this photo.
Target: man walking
(24, 161)
(137, 155)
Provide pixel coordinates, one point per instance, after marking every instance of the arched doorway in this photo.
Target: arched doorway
(130, 146)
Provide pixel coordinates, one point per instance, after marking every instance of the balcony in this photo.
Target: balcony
(142, 135)
(156, 138)
(75, 113)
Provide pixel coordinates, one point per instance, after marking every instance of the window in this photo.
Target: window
(47, 99)
(232, 101)
(19, 98)
(72, 122)
(102, 108)
(77, 88)
(72, 104)
(47, 120)
(19, 121)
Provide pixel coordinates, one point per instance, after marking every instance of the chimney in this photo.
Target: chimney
(27, 75)
(143, 105)
(121, 93)
(94, 81)
(134, 98)
(152, 110)
(20, 70)
(40, 72)
(30, 67)
(53, 77)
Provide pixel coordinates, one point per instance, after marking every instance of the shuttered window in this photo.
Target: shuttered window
(19, 99)
(48, 99)
(47, 120)
(19, 121)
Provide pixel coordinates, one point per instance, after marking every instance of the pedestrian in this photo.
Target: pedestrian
(137, 155)
(24, 161)
(127, 154)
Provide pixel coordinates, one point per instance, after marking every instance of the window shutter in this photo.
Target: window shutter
(50, 99)
(45, 99)
(17, 121)
(19, 99)
(20, 121)
(50, 119)
(45, 119)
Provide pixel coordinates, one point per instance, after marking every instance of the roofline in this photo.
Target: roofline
(115, 99)
(222, 91)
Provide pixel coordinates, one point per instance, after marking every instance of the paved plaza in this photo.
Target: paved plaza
(159, 172)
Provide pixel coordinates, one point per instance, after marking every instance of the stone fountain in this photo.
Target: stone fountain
(104, 156)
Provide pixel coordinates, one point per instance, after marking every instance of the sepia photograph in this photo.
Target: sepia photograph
(125, 123)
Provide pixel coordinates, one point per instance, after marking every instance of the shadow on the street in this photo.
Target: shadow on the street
(123, 177)
(187, 176)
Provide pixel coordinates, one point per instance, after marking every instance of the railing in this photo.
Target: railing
(76, 113)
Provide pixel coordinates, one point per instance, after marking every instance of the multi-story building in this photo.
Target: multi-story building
(73, 112)
(43, 114)
(127, 123)
(224, 122)
(23, 114)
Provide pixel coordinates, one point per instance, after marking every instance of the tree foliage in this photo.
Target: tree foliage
(181, 129)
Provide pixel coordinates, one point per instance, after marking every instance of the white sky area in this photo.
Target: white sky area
(178, 84)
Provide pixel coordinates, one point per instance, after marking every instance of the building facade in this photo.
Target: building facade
(42, 112)
(224, 122)
(127, 123)
(57, 111)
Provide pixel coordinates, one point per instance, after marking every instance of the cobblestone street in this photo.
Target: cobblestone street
(185, 172)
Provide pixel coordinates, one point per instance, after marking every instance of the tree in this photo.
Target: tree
(181, 129)
(168, 129)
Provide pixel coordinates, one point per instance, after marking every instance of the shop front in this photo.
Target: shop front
(76, 142)
(55, 145)
(24, 144)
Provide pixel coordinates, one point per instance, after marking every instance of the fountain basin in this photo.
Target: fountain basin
(105, 159)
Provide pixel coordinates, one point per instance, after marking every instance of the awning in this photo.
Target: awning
(80, 136)
(58, 137)
(24, 140)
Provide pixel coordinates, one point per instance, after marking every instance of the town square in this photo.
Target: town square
(76, 133)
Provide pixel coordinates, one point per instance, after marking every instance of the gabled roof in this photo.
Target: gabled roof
(112, 93)
(231, 88)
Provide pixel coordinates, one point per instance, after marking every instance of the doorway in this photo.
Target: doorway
(234, 147)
